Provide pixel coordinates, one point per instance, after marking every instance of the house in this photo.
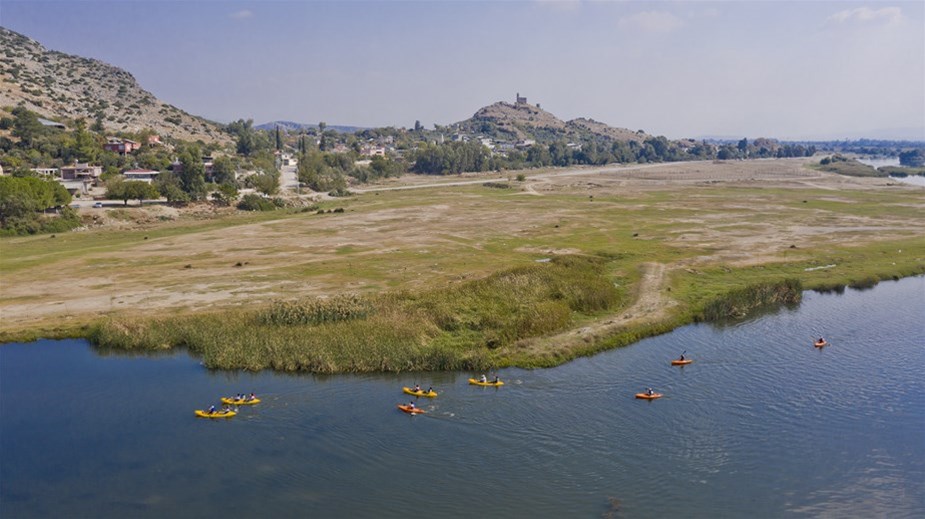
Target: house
(141, 175)
(154, 140)
(372, 151)
(121, 146)
(81, 172)
(525, 143)
(76, 187)
(51, 124)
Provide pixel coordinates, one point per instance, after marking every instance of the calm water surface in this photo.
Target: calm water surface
(916, 180)
(761, 425)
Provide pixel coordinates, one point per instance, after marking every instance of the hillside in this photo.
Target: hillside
(65, 87)
(519, 121)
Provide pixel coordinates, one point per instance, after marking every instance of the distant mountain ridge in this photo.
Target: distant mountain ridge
(66, 87)
(294, 127)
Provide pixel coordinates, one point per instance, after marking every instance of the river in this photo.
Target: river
(762, 424)
(879, 162)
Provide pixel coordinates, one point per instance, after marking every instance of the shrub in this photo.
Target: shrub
(254, 202)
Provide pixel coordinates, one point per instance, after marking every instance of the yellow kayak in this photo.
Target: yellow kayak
(476, 382)
(428, 394)
(234, 401)
(217, 414)
(645, 396)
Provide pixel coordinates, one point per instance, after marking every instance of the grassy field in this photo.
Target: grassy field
(432, 269)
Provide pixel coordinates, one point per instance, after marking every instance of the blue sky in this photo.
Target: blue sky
(790, 70)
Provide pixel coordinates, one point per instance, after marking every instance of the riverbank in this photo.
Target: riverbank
(669, 238)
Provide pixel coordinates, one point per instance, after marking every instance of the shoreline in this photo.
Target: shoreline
(672, 236)
(593, 343)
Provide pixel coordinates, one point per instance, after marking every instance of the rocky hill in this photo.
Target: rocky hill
(519, 121)
(65, 87)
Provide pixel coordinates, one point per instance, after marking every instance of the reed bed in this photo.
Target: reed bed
(454, 328)
(740, 302)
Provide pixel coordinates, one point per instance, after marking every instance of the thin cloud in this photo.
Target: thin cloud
(652, 21)
(243, 14)
(889, 15)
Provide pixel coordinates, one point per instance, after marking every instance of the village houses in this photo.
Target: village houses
(121, 146)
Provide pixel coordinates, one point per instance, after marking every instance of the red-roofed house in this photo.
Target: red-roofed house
(121, 146)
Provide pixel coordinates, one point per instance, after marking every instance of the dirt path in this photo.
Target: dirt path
(651, 305)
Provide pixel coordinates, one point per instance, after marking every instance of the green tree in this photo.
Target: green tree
(223, 170)
(912, 158)
(247, 141)
(22, 198)
(174, 194)
(266, 183)
(26, 126)
(225, 194)
(87, 146)
(120, 189)
(279, 139)
(192, 173)
(97, 125)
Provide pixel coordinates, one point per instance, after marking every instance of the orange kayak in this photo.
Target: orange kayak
(820, 344)
(684, 362)
(411, 410)
(644, 396)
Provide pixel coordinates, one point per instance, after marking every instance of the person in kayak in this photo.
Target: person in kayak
(417, 388)
(681, 357)
(430, 389)
(483, 378)
(411, 405)
(212, 410)
(496, 380)
(649, 391)
(252, 397)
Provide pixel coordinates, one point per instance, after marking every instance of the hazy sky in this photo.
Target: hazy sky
(790, 70)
